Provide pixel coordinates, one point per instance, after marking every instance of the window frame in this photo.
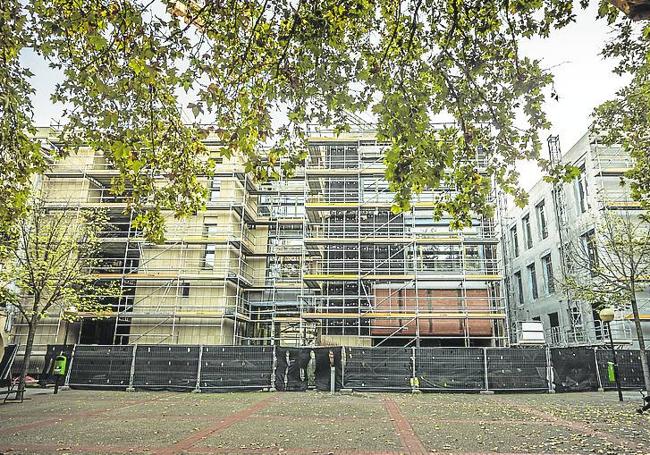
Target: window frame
(514, 241)
(547, 273)
(215, 189)
(519, 287)
(542, 221)
(532, 281)
(582, 190)
(528, 232)
(209, 251)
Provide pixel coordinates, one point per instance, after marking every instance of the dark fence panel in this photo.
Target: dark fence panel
(323, 368)
(378, 368)
(574, 369)
(516, 369)
(53, 350)
(166, 367)
(629, 368)
(176, 367)
(236, 368)
(36, 364)
(291, 368)
(101, 366)
(450, 368)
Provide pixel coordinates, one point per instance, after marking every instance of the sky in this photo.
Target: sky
(583, 80)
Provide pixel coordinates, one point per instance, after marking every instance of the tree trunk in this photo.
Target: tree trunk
(27, 357)
(639, 335)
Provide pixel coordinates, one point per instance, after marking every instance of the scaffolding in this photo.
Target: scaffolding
(318, 258)
(380, 278)
(576, 207)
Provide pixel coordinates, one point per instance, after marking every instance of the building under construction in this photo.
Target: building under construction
(317, 259)
(538, 236)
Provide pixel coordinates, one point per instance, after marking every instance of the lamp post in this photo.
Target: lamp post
(607, 316)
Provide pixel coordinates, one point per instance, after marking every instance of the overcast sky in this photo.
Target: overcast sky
(583, 80)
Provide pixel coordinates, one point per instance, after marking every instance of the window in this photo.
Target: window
(215, 189)
(514, 240)
(542, 225)
(209, 230)
(444, 258)
(576, 316)
(185, 289)
(519, 288)
(209, 255)
(589, 247)
(532, 279)
(528, 238)
(547, 269)
(582, 192)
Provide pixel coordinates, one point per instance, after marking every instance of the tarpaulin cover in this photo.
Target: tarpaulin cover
(450, 368)
(574, 369)
(378, 368)
(323, 368)
(630, 372)
(516, 369)
(53, 350)
(106, 366)
(6, 364)
(236, 367)
(291, 368)
(166, 367)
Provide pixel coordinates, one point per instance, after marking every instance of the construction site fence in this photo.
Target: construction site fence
(227, 368)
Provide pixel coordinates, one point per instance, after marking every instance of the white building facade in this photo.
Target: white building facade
(556, 215)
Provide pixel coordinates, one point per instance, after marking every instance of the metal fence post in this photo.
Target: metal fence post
(600, 381)
(287, 357)
(274, 366)
(415, 383)
(197, 389)
(130, 388)
(66, 383)
(549, 371)
(343, 364)
(485, 370)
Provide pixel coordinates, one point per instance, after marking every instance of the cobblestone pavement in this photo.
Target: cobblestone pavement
(159, 423)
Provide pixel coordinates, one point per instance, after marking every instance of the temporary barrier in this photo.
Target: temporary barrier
(169, 367)
(291, 369)
(101, 366)
(53, 350)
(326, 358)
(574, 369)
(516, 369)
(450, 368)
(235, 368)
(629, 368)
(378, 368)
(223, 368)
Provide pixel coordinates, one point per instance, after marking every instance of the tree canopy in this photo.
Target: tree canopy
(51, 271)
(625, 120)
(125, 64)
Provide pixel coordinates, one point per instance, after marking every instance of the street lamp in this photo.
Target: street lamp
(607, 316)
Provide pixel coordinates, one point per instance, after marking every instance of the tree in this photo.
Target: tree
(50, 269)
(624, 120)
(611, 266)
(407, 63)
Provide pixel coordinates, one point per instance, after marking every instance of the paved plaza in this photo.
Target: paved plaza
(103, 422)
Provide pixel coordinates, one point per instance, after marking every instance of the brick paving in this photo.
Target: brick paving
(167, 423)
